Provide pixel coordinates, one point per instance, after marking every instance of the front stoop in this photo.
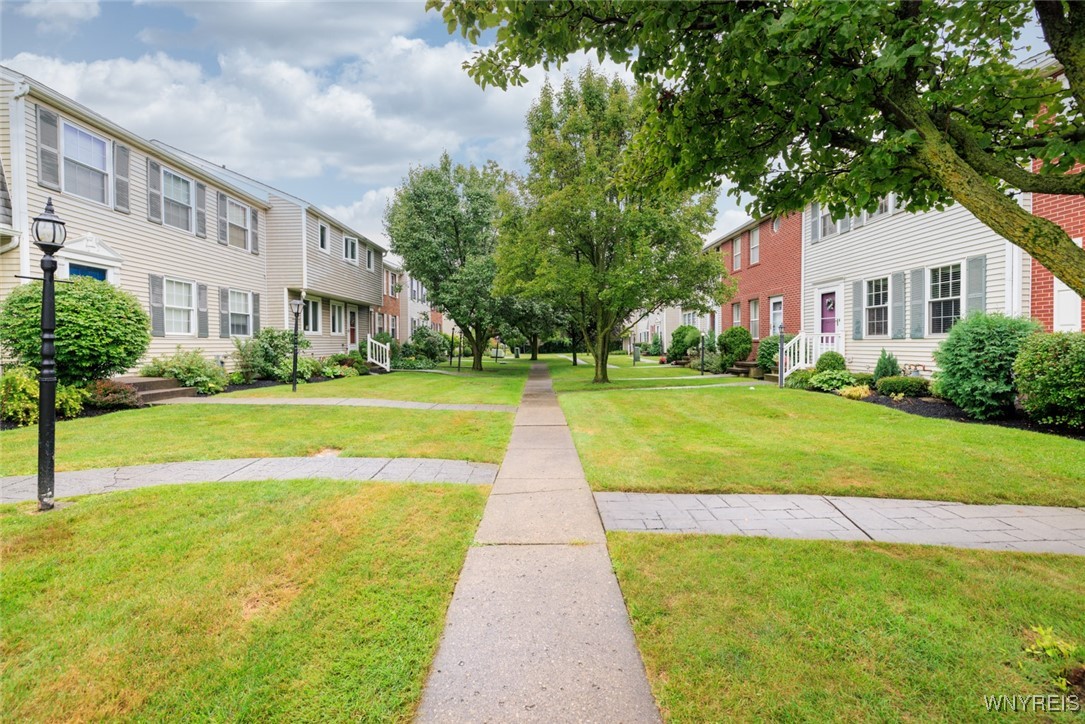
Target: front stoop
(154, 389)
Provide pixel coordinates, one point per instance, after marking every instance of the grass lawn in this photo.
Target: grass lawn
(639, 383)
(487, 388)
(174, 433)
(766, 440)
(735, 628)
(621, 368)
(299, 600)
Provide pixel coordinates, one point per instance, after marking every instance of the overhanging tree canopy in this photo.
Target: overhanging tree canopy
(839, 102)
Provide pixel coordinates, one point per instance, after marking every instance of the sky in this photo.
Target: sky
(329, 101)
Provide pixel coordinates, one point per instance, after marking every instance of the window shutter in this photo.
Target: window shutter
(255, 313)
(158, 310)
(154, 192)
(202, 330)
(222, 218)
(48, 149)
(976, 269)
(224, 312)
(201, 211)
(815, 222)
(857, 310)
(121, 185)
(896, 308)
(254, 231)
(918, 286)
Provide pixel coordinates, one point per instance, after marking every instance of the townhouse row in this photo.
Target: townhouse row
(212, 254)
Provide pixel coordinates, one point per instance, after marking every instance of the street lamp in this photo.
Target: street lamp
(49, 236)
(295, 307)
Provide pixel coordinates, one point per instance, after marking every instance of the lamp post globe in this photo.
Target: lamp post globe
(49, 234)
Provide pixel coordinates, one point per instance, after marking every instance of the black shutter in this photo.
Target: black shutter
(224, 312)
(158, 310)
(223, 230)
(201, 211)
(154, 192)
(121, 185)
(202, 324)
(48, 149)
(255, 313)
(919, 303)
(254, 231)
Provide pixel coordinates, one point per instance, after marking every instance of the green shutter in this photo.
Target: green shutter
(857, 310)
(918, 286)
(976, 284)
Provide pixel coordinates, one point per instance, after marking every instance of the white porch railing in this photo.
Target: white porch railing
(804, 349)
(378, 353)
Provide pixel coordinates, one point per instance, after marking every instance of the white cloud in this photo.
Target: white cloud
(367, 214)
(59, 17)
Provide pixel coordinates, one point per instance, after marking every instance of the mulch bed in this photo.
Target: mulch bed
(945, 410)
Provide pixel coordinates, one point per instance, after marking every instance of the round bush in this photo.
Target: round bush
(831, 380)
(907, 386)
(19, 401)
(1050, 374)
(101, 330)
(428, 343)
(682, 339)
(830, 361)
(768, 350)
(736, 343)
(976, 362)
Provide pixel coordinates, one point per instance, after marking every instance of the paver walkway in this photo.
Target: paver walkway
(333, 401)
(537, 629)
(1000, 527)
(106, 480)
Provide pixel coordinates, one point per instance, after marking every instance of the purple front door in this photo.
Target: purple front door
(828, 313)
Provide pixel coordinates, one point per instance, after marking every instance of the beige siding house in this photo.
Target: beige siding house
(189, 246)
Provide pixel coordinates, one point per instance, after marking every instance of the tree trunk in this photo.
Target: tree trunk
(601, 353)
(534, 347)
(478, 349)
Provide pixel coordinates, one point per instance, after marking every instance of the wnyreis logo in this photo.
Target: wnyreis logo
(1033, 703)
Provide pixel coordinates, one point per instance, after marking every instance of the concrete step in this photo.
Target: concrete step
(740, 371)
(746, 363)
(150, 397)
(772, 377)
(145, 384)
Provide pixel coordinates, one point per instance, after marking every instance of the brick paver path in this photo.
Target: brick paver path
(334, 401)
(106, 480)
(999, 527)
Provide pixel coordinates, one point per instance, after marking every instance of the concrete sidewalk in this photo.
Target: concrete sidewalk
(335, 401)
(537, 629)
(105, 480)
(999, 527)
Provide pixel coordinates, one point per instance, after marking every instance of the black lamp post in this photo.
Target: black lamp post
(49, 236)
(295, 307)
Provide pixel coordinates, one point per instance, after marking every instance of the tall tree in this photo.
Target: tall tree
(838, 102)
(442, 222)
(574, 237)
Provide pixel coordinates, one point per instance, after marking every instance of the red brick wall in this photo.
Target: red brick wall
(777, 273)
(391, 307)
(1069, 213)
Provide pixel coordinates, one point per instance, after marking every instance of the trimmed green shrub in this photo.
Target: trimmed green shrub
(907, 386)
(19, 397)
(351, 372)
(887, 366)
(655, 347)
(307, 367)
(830, 361)
(736, 343)
(191, 369)
(831, 380)
(855, 392)
(1050, 374)
(112, 395)
(101, 330)
(799, 379)
(428, 343)
(413, 363)
(682, 339)
(976, 362)
(768, 350)
(864, 378)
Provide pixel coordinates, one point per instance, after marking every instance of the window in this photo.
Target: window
(179, 306)
(736, 314)
(736, 253)
(776, 314)
(755, 319)
(381, 323)
(81, 270)
(394, 324)
(885, 205)
(689, 319)
(414, 326)
(338, 313)
(828, 226)
(414, 290)
(240, 313)
(237, 217)
(755, 246)
(368, 258)
(776, 225)
(311, 312)
(877, 307)
(176, 201)
(350, 249)
(322, 237)
(945, 304)
(86, 169)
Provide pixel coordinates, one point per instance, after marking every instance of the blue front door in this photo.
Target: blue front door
(79, 270)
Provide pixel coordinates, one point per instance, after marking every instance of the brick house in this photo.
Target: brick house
(1054, 304)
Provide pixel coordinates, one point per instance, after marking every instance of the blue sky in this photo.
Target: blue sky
(330, 101)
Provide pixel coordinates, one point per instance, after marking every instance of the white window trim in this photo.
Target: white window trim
(780, 298)
(736, 254)
(736, 320)
(776, 224)
(326, 246)
(319, 316)
(835, 225)
(248, 224)
(755, 317)
(231, 311)
(191, 230)
(929, 300)
(108, 203)
(888, 307)
(192, 323)
(353, 260)
(369, 258)
(333, 306)
(755, 234)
